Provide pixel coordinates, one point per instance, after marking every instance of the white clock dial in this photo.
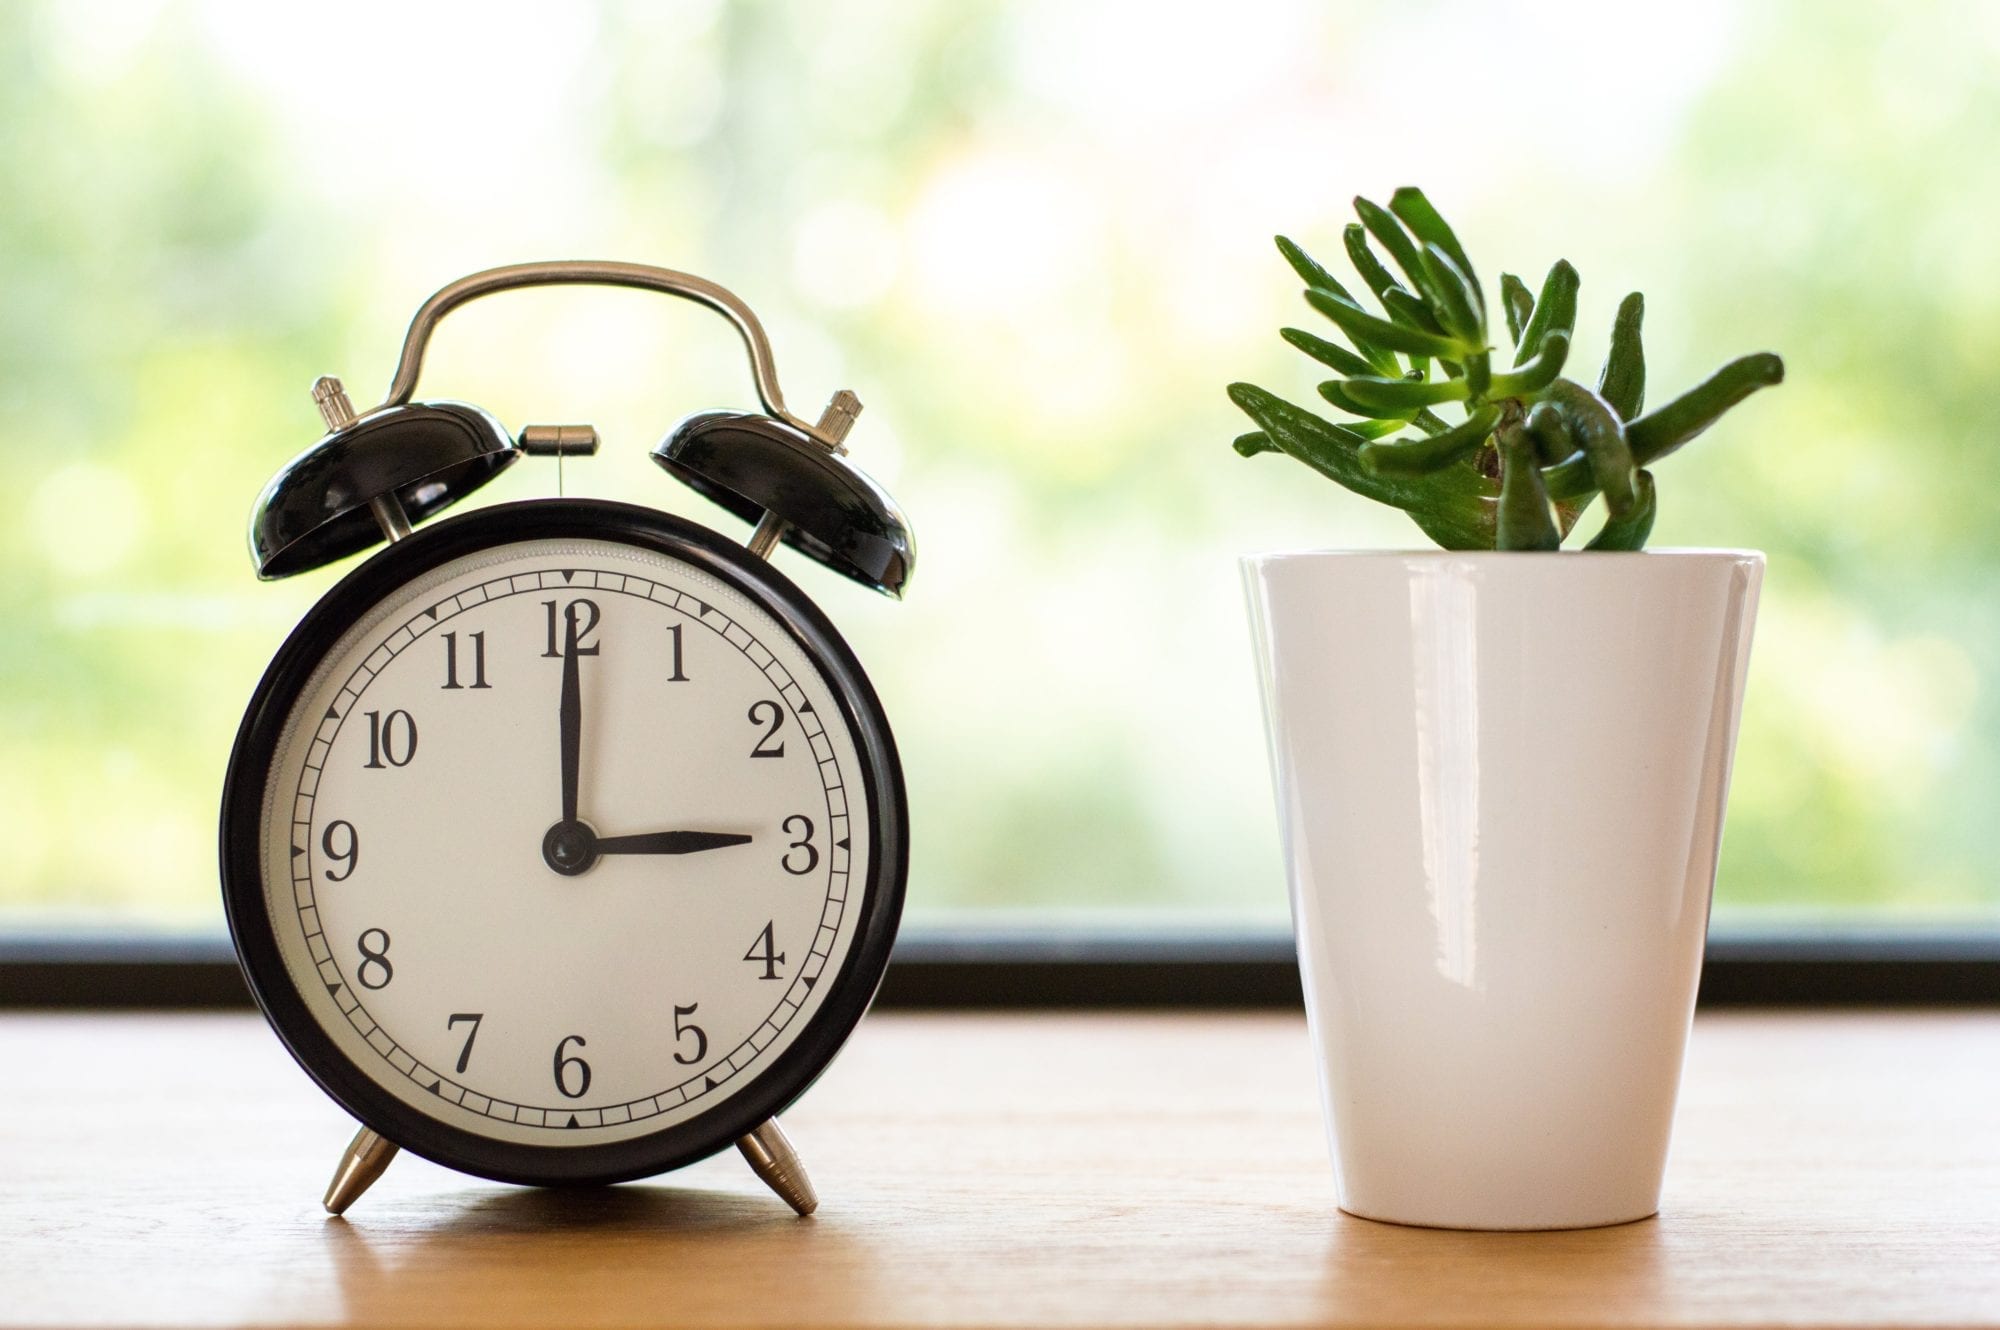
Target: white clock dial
(439, 933)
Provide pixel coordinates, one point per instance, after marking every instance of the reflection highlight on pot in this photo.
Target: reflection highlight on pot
(1446, 678)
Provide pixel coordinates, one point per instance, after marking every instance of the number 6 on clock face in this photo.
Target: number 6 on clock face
(564, 842)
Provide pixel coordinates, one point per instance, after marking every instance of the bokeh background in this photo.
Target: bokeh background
(1035, 238)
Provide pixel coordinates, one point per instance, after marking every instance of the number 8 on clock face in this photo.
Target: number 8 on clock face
(564, 842)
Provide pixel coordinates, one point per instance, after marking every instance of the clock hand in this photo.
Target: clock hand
(571, 714)
(670, 842)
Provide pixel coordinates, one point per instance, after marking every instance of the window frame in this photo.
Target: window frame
(946, 967)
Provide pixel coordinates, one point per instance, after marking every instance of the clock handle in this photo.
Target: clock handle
(583, 272)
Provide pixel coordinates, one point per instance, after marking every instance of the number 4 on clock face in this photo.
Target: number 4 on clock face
(765, 953)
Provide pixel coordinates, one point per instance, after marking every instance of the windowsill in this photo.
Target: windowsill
(1080, 1169)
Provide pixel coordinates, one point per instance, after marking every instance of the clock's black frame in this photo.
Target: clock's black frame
(252, 929)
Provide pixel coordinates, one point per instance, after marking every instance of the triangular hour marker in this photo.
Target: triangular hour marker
(331, 714)
(805, 706)
(711, 1081)
(811, 979)
(333, 990)
(842, 842)
(572, 1119)
(298, 850)
(569, 574)
(433, 610)
(437, 1088)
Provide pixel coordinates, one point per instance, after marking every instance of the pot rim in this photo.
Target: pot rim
(1675, 554)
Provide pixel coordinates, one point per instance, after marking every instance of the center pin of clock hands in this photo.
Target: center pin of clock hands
(571, 845)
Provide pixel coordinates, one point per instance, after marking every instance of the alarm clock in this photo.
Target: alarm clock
(564, 841)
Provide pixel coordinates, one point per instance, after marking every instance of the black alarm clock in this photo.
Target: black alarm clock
(564, 841)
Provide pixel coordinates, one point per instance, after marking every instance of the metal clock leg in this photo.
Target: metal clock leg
(772, 1158)
(367, 1155)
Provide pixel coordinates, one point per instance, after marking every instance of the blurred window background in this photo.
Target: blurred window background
(1035, 238)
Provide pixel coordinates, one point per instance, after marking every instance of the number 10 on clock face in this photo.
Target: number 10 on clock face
(565, 843)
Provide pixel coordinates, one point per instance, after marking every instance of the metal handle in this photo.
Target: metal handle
(579, 272)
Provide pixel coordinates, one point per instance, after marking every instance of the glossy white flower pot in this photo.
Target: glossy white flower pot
(1501, 780)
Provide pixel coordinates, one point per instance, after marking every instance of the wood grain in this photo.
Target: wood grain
(1059, 1170)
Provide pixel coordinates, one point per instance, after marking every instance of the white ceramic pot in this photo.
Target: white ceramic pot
(1501, 780)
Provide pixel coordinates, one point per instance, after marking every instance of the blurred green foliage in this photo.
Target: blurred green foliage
(1033, 261)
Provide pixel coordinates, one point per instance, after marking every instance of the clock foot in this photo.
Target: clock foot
(772, 1158)
(367, 1155)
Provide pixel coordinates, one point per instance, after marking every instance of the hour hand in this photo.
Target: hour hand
(670, 842)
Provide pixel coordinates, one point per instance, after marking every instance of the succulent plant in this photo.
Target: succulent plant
(1532, 447)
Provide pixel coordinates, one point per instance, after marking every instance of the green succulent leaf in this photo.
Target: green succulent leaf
(1538, 373)
(1335, 391)
(1249, 445)
(1623, 382)
(1379, 279)
(1554, 442)
(1308, 268)
(1525, 521)
(1520, 303)
(1316, 275)
(1554, 308)
(1404, 394)
(1428, 226)
(1605, 448)
(1452, 507)
(1460, 307)
(1360, 325)
(1664, 429)
(1429, 422)
(1327, 353)
(1381, 358)
(1629, 532)
(1479, 376)
(1412, 312)
(1382, 224)
(1412, 457)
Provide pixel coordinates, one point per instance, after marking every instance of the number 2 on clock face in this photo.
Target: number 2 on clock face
(537, 977)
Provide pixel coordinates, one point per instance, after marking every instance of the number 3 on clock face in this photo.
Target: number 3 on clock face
(564, 842)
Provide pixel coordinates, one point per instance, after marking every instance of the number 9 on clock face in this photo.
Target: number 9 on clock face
(564, 842)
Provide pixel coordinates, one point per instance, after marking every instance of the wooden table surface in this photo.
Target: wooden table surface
(1033, 1169)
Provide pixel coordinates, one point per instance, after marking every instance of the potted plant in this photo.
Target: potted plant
(1501, 769)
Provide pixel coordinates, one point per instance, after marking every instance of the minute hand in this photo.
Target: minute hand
(670, 842)
(569, 713)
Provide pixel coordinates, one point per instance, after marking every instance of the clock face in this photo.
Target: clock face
(567, 842)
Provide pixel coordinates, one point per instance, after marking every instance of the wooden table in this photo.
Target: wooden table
(1072, 1170)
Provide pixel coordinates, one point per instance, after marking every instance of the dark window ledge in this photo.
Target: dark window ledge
(950, 968)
